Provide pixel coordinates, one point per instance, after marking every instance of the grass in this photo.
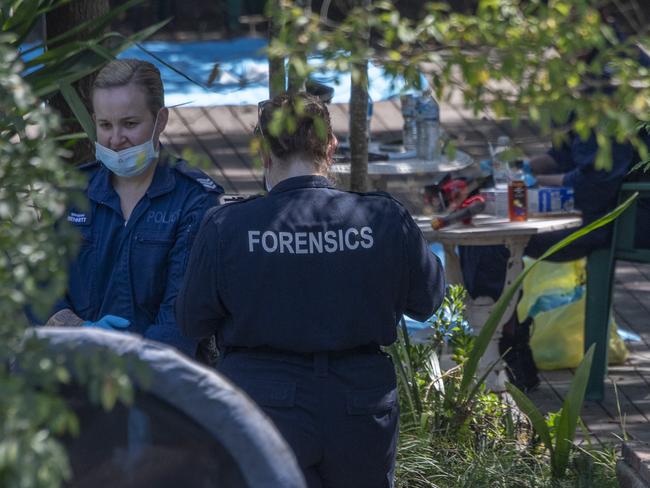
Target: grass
(442, 462)
(454, 434)
(481, 441)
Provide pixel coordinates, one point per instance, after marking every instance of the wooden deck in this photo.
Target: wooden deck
(221, 134)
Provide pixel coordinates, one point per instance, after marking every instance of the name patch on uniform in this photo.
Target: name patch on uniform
(77, 218)
(310, 242)
(161, 217)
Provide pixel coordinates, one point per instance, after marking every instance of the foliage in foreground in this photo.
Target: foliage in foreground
(55, 67)
(33, 196)
(488, 442)
(567, 421)
(556, 63)
(454, 433)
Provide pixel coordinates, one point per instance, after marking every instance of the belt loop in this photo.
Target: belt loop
(321, 364)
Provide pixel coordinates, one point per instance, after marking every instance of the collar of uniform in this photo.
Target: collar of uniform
(163, 179)
(100, 188)
(309, 181)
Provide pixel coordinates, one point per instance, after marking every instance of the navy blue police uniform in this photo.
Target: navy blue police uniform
(133, 269)
(302, 287)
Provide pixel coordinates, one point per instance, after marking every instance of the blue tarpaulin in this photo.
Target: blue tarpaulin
(242, 75)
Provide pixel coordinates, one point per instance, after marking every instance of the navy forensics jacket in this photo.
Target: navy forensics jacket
(134, 269)
(308, 268)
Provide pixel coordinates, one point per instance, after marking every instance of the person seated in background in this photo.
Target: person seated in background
(570, 163)
(144, 209)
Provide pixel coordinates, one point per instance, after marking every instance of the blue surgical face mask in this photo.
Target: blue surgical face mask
(132, 161)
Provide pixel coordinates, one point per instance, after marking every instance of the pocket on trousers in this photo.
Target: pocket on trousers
(269, 393)
(372, 402)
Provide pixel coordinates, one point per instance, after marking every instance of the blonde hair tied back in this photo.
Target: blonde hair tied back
(121, 72)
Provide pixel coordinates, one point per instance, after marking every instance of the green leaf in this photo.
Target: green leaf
(102, 52)
(77, 63)
(96, 25)
(533, 413)
(108, 394)
(173, 68)
(570, 414)
(138, 36)
(24, 14)
(78, 109)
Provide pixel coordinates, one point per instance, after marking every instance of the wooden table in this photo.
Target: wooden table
(486, 230)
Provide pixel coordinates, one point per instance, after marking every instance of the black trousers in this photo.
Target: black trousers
(338, 412)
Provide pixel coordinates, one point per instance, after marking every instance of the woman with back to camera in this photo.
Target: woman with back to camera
(144, 209)
(302, 287)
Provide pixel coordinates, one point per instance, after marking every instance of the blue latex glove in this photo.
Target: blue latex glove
(529, 177)
(486, 167)
(109, 322)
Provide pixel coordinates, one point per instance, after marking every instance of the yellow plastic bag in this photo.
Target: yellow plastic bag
(557, 336)
(549, 279)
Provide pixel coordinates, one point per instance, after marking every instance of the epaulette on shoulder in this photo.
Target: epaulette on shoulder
(198, 176)
(230, 198)
(228, 201)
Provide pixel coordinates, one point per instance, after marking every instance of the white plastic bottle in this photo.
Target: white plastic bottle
(409, 130)
(428, 128)
(500, 168)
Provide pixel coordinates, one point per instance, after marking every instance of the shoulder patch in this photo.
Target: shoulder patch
(199, 176)
(229, 201)
(228, 198)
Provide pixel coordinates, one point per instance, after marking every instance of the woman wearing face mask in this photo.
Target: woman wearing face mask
(144, 210)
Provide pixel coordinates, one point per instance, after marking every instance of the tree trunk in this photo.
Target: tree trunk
(58, 22)
(359, 130)
(295, 82)
(359, 135)
(277, 71)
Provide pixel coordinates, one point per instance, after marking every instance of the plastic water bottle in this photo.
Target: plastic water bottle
(428, 128)
(409, 130)
(500, 162)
